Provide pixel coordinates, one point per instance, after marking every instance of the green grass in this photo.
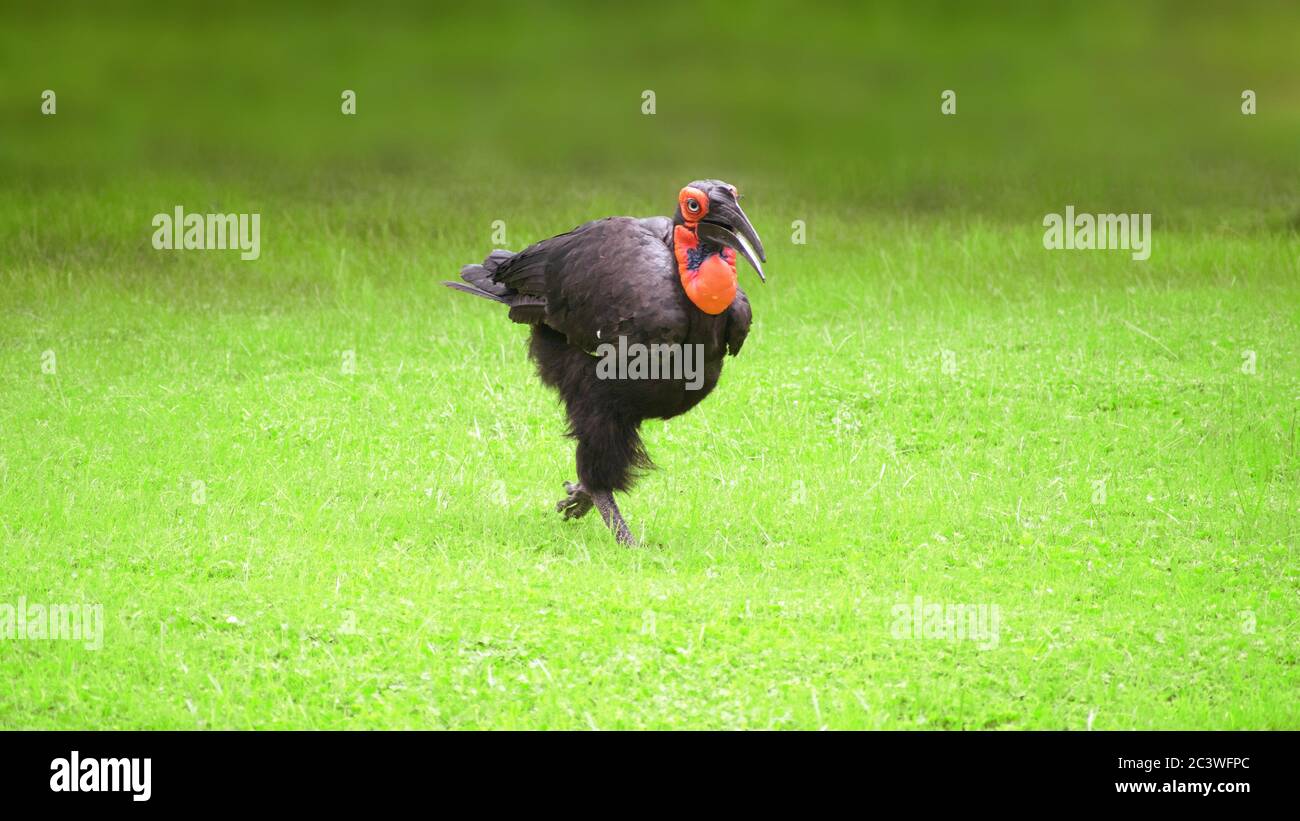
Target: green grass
(413, 498)
(380, 550)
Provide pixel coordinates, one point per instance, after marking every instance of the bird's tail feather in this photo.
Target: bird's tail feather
(479, 278)
(470, 289)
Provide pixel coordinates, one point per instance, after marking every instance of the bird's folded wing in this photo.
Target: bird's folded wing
(605, 279)
(739, 316)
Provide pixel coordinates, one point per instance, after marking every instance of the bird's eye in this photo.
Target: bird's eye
(693, 203)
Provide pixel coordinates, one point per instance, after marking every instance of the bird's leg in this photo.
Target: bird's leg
(613, 519)
(576, 504)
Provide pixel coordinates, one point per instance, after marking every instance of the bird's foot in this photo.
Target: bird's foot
(624, 536)
(577, 504)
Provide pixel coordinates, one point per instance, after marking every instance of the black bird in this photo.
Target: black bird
(667, 284)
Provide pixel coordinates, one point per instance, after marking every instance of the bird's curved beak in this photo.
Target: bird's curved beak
(727, 225)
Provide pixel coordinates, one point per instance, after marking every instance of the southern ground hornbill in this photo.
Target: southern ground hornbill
(667, 283)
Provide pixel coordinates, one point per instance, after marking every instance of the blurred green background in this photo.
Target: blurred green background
(1123, 105)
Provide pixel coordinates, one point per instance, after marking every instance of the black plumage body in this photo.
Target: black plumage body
(611, 278)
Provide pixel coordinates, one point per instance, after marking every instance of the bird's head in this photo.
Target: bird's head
(710, 211)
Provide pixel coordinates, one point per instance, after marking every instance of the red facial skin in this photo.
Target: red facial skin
(712, 284)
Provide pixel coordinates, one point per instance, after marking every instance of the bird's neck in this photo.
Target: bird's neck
(707, 271)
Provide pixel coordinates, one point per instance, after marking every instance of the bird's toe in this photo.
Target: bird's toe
(577, 504)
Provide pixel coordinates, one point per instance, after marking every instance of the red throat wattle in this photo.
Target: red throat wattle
(709, 282)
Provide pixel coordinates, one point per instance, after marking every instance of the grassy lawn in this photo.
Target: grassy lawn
(930, 403)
